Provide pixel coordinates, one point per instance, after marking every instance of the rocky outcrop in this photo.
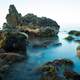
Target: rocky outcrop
(13, 49)
(30, 23)
(13, 17)
(13, 37)
(59, 70)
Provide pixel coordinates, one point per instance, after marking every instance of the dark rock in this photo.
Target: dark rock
(69, 38)
(30, 23)
(72, 75)
(56, 70)
(13, 16)
(11, 57)
(57, 44)
(74, 32)
(15, 43)
(2, 50)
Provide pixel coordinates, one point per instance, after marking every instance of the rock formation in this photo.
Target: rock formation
(30, 23)
(12, 42)
(13, 17)
(59, 70)
(13, 36)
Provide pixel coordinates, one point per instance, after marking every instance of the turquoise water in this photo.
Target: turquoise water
(38, 56)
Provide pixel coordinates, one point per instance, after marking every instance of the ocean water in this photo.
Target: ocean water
(39, 56)
(70, 27)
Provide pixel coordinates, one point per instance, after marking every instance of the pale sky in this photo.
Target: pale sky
(65, 12)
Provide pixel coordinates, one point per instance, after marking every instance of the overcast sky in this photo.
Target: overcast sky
(65, 12)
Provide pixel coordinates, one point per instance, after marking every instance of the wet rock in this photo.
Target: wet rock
(3, 68)
(74, 32)
(56, 70)
(73, 36)
(72, 75)
(15, 43)
(11, 57)
(64, 62)
(69, 38)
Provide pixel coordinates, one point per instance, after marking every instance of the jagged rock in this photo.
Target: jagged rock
(13, 17)
(59, 70)
(47, 27)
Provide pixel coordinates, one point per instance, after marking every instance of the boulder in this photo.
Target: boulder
(57, 70)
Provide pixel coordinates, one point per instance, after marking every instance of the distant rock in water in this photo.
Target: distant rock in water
(74, 32)
(73, 35)
(31, 24)
(69, 38)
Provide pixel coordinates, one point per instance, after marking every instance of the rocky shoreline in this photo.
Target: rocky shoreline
(16, 33)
